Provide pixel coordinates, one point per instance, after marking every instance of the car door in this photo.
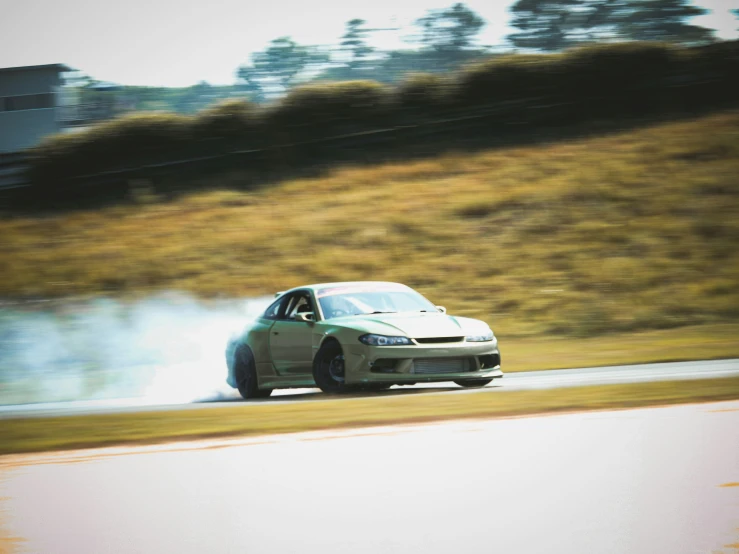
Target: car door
(290, 341)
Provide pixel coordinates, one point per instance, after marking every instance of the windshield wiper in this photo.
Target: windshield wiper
(381, 312)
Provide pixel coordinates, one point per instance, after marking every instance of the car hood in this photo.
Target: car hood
(415, 325)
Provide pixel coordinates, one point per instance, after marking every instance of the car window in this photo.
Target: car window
(299, 302)
(367, 302)
(274, 310)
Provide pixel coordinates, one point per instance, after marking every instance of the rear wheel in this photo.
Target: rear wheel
(328, 368)
(471, 383)
(246, 374)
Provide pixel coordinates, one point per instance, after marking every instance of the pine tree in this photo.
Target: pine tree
(547, 25)
(552, 25)
(450, 30)
(663, 20)
(281, 63)
(354, 41)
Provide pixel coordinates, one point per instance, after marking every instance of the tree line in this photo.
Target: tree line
(444, 40)
(448, 38)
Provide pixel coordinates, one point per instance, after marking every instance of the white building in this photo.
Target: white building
(29, 104)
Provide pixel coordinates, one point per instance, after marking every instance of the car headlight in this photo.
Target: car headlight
(382, 340)
(480, 338)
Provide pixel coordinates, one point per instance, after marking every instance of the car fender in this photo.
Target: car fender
(343, 335)
(319, 339)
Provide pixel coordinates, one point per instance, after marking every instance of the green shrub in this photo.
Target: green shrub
(424, 93)
(237, 121)
(507, 78)
(315, 110)
(122, 143)
(617, 79)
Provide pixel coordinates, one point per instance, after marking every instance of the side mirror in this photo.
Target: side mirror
(305, 317)
(442, 309)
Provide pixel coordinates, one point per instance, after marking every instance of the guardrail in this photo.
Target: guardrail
(13, 170)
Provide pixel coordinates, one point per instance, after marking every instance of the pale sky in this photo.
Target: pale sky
(182, 42)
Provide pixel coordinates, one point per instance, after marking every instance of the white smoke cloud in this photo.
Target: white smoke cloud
(168, 348)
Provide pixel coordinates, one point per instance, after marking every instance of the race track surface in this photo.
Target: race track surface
(226, 396)
(641, 481)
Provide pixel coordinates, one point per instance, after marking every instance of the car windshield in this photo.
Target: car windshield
(369, 302)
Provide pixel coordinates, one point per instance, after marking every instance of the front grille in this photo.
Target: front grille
(437, 340)
(440, 365)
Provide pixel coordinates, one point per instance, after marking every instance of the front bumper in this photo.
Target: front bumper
(421, 363)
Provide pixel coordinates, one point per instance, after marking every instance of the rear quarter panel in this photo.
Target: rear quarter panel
(257, 338)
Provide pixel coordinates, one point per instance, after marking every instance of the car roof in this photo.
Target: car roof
(319, 286)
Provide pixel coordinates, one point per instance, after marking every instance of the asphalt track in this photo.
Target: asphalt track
(511, 381)
(642, 481)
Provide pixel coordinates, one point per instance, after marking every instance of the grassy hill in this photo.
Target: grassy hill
(626, 232)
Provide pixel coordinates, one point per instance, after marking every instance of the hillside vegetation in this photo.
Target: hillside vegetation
(626, 232)
(503, 100)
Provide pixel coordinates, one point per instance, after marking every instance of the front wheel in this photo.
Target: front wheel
(472, 383)
(246, 374)
(328, 368)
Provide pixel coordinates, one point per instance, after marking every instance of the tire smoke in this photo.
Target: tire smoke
(167, 348)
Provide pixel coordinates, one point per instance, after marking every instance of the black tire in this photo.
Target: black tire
(246, 374)
(328, 368)
(472, 383)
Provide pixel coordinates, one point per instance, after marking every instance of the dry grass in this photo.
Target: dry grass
(622, 233)
(701, 342)
(64, 433)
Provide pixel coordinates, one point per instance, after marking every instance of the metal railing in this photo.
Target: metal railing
(13, 170)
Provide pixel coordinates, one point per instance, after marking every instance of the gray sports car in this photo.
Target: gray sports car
(370, 335)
